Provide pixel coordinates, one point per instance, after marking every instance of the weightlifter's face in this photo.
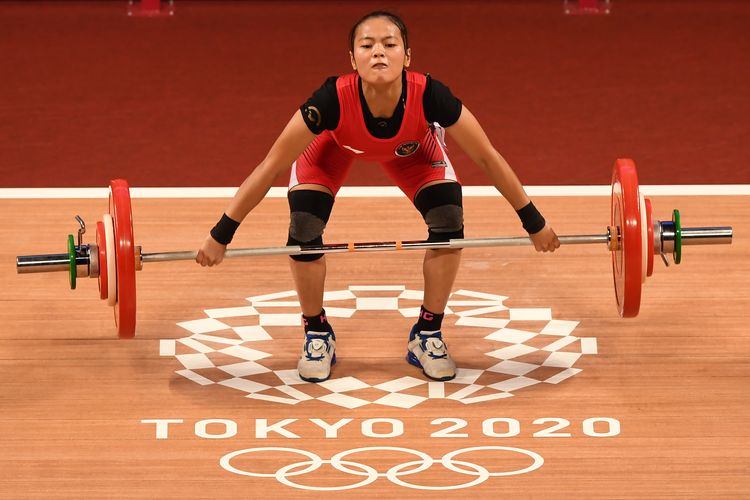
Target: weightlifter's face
(379, 55)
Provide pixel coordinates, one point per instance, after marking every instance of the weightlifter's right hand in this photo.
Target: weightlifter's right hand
(211, 252)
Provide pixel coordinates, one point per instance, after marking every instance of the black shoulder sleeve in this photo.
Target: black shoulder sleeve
(440, 105)
(321, 110)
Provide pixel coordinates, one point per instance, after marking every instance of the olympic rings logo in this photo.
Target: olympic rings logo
(285, 474)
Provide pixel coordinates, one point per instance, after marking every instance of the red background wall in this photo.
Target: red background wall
(89, 94)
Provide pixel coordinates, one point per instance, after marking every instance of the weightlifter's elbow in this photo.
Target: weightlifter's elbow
(489, 160)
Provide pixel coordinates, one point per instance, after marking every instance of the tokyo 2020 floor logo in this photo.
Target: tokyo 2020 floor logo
(524, 347)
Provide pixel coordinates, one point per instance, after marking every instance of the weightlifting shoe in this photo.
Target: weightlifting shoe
(318, 354)
(426, 350)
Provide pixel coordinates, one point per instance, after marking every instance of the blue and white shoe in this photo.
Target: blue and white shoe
(426, 350)
(318, 354)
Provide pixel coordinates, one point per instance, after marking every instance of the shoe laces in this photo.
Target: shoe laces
(316, 345)
(432, 343)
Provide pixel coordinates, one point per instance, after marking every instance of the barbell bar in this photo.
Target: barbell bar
(633, 238)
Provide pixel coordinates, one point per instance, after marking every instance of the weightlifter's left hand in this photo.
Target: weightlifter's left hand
(545, 240)
(211, 252)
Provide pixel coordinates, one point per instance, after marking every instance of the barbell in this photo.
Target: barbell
(633, 239)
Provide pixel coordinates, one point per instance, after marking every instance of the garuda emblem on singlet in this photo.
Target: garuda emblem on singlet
(407, 148)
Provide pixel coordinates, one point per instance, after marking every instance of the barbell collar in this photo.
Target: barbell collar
(693, 236)
(707, 235)
(27, 264)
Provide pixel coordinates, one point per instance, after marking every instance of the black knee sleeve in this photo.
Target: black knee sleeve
(442, 209)
(308, 215)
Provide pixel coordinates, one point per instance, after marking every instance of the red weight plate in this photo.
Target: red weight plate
(644, 236)
(627, 259)
(650, 230)
(119, 207)
(101, 243)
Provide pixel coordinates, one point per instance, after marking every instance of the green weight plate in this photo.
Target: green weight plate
(677, 255)
(72, 257)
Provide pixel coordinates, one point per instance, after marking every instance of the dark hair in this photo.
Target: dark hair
(381, 13)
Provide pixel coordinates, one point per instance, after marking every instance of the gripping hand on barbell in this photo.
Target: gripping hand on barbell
(211, 252)
(545, 240)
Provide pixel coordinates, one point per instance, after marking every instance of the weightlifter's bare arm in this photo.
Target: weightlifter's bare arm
(291, 143)
(470, 136)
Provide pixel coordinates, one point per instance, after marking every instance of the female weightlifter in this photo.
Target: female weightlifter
(385, 113)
